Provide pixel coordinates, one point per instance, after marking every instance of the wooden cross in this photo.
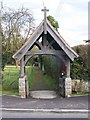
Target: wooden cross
(45, 10)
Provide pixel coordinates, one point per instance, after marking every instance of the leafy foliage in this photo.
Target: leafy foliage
(79, 67)
(53, 22)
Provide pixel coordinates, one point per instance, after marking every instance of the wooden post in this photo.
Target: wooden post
(22, 67)
(23, 80)
(68, 68)
(44, 40)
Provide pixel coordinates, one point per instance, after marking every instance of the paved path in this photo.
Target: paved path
(57, 103)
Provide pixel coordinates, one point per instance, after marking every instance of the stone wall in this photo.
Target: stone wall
(80, 85)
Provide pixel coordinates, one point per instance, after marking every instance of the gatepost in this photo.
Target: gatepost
(68, 82)
(23, 87)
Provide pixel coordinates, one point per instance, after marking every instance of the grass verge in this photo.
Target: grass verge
(10, 79)
(11, 76)
(80, 93)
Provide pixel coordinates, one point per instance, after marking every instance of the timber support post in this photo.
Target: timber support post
(22, 67)
(23, 81)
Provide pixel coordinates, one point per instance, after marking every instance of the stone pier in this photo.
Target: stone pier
(23, 87)
(65, 87)
(68, 87)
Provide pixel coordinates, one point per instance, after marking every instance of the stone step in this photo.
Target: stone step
(43, 94)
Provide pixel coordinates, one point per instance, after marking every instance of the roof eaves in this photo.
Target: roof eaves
(16, 55)
(62, 39)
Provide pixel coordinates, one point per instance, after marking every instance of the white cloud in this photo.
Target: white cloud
(74, 22)
(72, 16)
(73, 38)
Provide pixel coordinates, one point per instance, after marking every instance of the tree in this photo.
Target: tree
(53, 22)
(16, 28)
(79, 67)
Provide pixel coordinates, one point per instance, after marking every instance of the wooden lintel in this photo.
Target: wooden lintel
(45, 52)
(58, 53)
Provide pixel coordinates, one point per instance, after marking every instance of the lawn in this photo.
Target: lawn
(11, 77)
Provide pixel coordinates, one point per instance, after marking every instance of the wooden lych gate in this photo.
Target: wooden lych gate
(49, 42)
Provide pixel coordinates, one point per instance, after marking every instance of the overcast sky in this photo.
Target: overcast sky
(72, 16)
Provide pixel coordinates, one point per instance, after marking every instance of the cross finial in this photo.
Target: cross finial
(45, 10)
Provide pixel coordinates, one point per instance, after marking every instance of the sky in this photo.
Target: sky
(72, 16)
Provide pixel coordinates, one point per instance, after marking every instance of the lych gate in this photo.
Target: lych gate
(49, 42)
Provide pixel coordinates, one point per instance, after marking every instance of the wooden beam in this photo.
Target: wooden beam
(45, 52)
(51, 43)
(58, 53)
(39, 44)
(67, 67)
(22, 67)
(44, 39)
(27, 58)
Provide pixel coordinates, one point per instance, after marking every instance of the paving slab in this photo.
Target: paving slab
(43, 94)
